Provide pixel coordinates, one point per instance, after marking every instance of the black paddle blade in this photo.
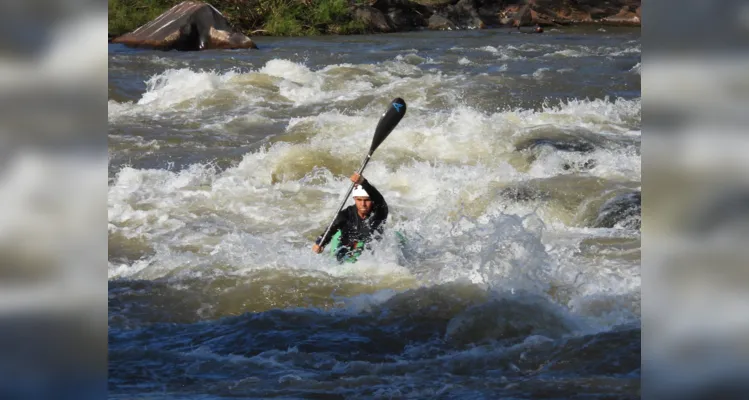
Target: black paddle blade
(395, 112)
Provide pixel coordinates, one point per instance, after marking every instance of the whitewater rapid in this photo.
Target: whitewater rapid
(515, 177)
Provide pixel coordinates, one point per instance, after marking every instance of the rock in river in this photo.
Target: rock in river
(188, 26)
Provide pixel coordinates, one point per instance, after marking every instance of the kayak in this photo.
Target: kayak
(344, 254)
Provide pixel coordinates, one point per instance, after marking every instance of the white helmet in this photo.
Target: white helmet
(359, 192)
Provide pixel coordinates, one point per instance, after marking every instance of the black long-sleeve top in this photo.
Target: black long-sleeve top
(354, 228)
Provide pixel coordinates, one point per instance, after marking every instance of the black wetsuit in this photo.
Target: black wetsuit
(353, 228)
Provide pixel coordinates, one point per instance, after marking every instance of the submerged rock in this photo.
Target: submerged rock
(576, 147)
(188, 26)
(562, 143)
(623, 210)
(613, 352)
(524, 192)
(508, 319)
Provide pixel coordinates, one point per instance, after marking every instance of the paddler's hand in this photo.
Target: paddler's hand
(358, 179)
(316, 247)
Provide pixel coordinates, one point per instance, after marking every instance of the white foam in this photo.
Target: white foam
(503, 52)
(624, 52)
(541, 73)
(174, 86)
(188, 91)
(179, 90)
(567, 53)
(439, 174)
(465, 141)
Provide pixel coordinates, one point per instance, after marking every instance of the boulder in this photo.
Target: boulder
(405, 19)
(438, 22)
(465, 15)
(523, 16)
(403, 15)
(563, 12)
(489, 11)
(188, 26)
(373, 18)
(625, 16)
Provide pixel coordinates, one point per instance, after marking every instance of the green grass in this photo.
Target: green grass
(127, 15)
(293, 18)
(269, 17)
(283, 18)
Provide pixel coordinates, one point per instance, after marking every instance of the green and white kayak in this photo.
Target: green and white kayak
(353, 256)
(350, 256)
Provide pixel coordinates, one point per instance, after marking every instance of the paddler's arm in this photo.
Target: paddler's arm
(380, 210)
(380, 205)
(339, 222)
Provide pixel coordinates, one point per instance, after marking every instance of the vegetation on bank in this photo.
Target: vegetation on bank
(252, 17)
(315, 17)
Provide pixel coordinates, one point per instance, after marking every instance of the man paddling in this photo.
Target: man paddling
(357, 223)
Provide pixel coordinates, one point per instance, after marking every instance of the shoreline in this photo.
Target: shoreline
(509, 28)
(361, 17)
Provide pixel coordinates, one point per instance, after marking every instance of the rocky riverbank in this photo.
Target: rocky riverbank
(404, 15)
(312, 17)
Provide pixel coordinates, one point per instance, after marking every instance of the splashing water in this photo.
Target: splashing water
(514, 186)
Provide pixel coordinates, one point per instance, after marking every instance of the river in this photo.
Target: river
(514, 176)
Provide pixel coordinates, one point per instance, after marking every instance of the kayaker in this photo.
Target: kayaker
(359, 223)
